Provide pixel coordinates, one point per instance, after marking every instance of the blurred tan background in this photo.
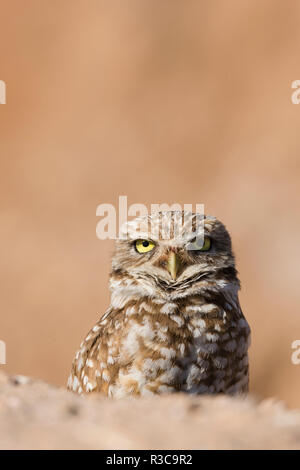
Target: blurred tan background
(169, 101)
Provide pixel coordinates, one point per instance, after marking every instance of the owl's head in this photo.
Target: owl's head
(173, 254)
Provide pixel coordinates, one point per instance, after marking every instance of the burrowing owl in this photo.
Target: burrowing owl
(174, 323)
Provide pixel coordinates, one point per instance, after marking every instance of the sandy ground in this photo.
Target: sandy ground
(35, 415)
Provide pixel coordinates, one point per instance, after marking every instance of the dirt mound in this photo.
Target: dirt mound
(35, 415)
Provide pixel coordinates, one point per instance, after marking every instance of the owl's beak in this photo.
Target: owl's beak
(173, 264)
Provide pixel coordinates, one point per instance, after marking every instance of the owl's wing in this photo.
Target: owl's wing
(89, 371)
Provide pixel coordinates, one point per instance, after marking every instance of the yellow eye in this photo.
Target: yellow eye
(143, 246)
(200, 245)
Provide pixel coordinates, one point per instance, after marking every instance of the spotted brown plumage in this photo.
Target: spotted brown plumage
(174, 323)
